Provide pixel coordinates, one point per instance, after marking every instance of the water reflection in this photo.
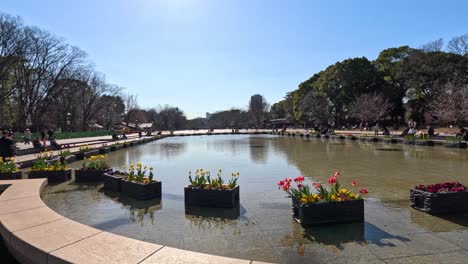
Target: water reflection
(215, 213)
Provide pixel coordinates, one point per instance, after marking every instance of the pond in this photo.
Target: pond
(262, 228)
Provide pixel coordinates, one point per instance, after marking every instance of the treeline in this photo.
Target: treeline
(427, 84)
(47, 83)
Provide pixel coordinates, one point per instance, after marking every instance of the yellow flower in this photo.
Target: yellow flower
(343, 191)
(303, 200)
(332, 197)
(304, 196)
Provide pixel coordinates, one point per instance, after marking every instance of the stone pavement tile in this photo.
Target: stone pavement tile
(459, 238)
(316, 253)
(10, 206)
(104, 248)
(37, 241)
(409, 245)
(28, 218)
(452, 258)
(172, 255)
(22, 189)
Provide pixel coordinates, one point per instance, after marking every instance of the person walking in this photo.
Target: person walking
(27, 136)
(376, 129)
(43, 138)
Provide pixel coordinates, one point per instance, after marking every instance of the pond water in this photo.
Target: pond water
(262, 228)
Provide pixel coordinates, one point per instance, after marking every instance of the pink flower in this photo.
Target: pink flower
(299, 179)
(332, 180)
(336, 174)
(316, 185)
(299, 186)
(354, 183)
(364, 191)
(280, 183)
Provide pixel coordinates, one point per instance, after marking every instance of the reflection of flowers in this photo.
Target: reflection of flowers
(442, 187)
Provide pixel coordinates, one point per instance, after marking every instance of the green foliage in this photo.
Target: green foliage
(8, 165)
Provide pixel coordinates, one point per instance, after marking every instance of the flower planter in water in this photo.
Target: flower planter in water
(455, 144)
(326, 136)
(52, 176)
(89, 175)
(116, 147)
(141, 191)
(351, 137)
(104, 150)
(439, 203)
(329, 212)
(211, 197)
(113, 182)
(318, 136)
(362, 138)
(87, 154)
(10, 175)
(409, 141)
(428, 143)
(390, 140)
(373, 139)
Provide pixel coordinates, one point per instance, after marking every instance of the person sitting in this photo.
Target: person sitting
(37, 144)
(431, 131)
(115, 137)
(385, 131)
(463, 133)
(405, 132)
(54, 144)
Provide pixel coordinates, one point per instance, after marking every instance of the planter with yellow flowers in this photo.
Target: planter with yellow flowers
(324, 205)
(55, 170)
(138, 185)
(86, 152)
(205, 191)
(9, 170)
(93, 169)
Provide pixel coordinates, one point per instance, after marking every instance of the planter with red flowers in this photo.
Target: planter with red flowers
(9, 170)
(93, 169)
(324, 205)
(440, 198)
(205, 191)
(138, 185)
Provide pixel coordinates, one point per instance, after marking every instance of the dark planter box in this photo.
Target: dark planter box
(70, 159)
(131, 144)
(301, 135)
(390, 140)
(125, 145)
(318, 136)
(439, 203)
(11, 175)
(373, 139)
(52, 176)
(329, 212)
(104, 150)
(293, 134)
(351, 137)
(362, 138)
(307, 135)
(113, 183)
(211, 198)
(89, 175)
(409, 142)
(326, 136)
(455, 145)
(141, 191)
(115, 147)
(82, 155)
(428, 143)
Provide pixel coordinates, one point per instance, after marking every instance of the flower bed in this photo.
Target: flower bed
(441, 198)
(85, 152)
(55, 172)
(138, 186)
(9, 170)
(204, 191)
(93, 169)
(332, 205)
(113, 181)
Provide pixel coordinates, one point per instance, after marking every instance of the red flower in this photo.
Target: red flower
(364, 191)
(332, 180)
(299, 179)
(286, 187)
(299, 186)
(316, 185)
(336, 174)
(354, 183)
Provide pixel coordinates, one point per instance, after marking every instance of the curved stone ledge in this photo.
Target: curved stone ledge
(34, 233)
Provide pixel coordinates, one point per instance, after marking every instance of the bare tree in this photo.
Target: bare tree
(451, 106)
(459, 45)
(258, 107)
(370, 107)
(317, 109)
(433, 46)
(131, 103)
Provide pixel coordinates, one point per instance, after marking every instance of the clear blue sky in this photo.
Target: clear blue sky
(209, 55)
